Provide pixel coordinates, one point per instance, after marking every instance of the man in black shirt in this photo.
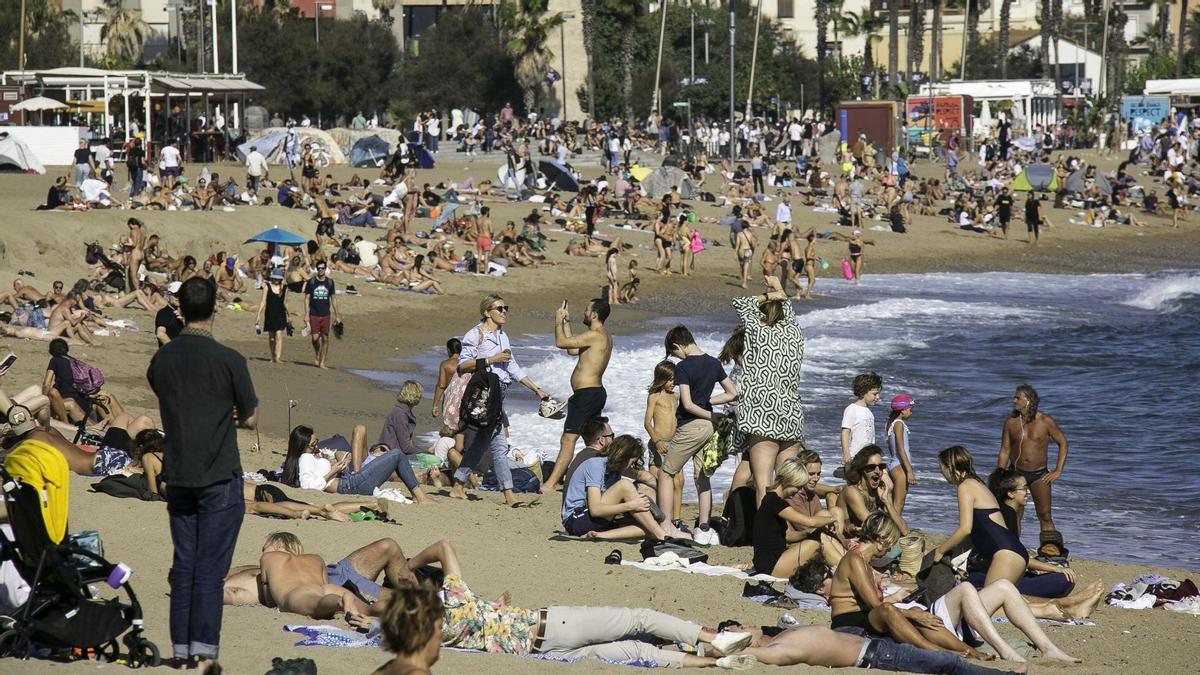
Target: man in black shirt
(1004, 204)
(135, 161)
(203, 390)
(167, 323)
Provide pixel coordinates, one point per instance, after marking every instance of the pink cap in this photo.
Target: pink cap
(902, 402)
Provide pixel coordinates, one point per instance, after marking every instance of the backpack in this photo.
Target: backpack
(86, 378)
(481, 399)
(739, 517)
(653, 549)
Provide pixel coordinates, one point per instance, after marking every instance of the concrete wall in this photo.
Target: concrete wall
(574, 72)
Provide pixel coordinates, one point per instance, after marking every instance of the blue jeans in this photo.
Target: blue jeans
(377, 473)
(511, 176)
(492, 440)
(82, 171)
(138, 179)
(884, 654)
(204, 529)
(432, 141)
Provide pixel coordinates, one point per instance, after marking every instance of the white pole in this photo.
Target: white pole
(1104, 54)
(753, 61)
(233, 36)
(662, 30)
(216, 51)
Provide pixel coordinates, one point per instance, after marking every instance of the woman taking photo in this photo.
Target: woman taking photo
(306, 467)
(769, 411)
(997, 548)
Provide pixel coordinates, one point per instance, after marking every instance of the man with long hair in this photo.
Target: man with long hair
(1024, 445)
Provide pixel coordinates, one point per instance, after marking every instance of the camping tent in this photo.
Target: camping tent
(557, 178)
(664, 179)
(1077, 182)
(369, 151)
(14, 153)
(1036, 177)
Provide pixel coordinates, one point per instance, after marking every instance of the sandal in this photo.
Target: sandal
(613, 558)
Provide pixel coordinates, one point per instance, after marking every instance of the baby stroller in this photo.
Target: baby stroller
(62, 613)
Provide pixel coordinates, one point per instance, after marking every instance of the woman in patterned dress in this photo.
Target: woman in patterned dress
(769, 411)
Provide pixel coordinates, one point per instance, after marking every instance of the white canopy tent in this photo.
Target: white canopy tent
(1183, 87)
(1034, 101)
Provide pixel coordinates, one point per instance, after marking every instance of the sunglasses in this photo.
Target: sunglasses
(500, 308)
(875, 467)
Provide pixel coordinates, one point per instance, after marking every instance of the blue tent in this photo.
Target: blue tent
(369, 151)
(424, 158)
(267, 144)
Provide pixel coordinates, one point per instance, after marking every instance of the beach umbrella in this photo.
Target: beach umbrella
(39, 104)
(557, 177)
(277, 236)
(1077, 182)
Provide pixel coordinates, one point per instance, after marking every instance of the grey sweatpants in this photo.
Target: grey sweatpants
(597, 632)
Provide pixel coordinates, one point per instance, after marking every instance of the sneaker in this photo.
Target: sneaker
(392, 495)
(551, 409)
(739, 662)
(682, 526)
(706, 537)
(728, 642)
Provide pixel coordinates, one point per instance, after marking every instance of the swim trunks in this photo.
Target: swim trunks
(342, 573)
(110, 460)
(1032, 477)
(583, 406)
(325, 227)
(319, 325)
(579, 522)
(483, 244)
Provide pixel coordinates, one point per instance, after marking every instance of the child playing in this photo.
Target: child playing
(630, 288)
(899, 465)
(660, 425)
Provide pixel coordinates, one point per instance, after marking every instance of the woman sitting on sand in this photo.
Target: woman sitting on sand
(778, 518)
(866, 492)
(422, 279)
(307, 467)
(998, 548)
(1041, 579)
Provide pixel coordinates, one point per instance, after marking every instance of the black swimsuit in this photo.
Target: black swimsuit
(989, 537)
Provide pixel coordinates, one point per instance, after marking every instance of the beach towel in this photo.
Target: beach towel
(705, 569)
(790, 598)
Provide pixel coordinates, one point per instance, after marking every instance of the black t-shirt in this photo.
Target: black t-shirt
(64, 381)
(166, 318)
(1004, 204)
(54, 197)
(82, 155)
(136, 158)
(770, 533)
(700, 373)
(1031, 210)
(199, 382)
(320, 293)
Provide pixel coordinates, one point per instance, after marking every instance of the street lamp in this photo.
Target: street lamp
(562, 55)
(317, 9)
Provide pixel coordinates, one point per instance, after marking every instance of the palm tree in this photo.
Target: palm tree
(588, 19)
(1002, 42)
(525, 28)
(893, 8)
(626, 13)
(935, 57)
(865, 23)
(124, 31)
(821, 14)
(1046, 23)
(1182, 37)
(384, 7)
(916, 40)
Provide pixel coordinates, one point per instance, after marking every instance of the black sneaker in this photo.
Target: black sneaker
(679, 524)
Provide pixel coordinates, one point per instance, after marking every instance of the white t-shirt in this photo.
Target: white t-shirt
(103, 156)
(313, 469)
(367, 253)
(795, 131)
(170, 157)
(256, 164)
(442, 447)
(861, 423)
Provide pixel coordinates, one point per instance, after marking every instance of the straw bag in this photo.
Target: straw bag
(912, 548)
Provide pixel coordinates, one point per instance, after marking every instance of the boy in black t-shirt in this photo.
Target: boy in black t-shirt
(1004, 204)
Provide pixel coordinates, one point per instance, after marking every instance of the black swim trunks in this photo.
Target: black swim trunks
(325, 227)
(797, 266)
(583, 406)
(1032, 476)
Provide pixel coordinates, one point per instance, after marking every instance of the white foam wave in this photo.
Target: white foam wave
(1165, 294)
(912, 311)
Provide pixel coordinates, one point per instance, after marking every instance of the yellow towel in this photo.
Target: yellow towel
(42, 466)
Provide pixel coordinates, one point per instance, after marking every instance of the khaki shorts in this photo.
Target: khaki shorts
(689, 439)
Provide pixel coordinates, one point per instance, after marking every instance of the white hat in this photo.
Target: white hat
(20, 419)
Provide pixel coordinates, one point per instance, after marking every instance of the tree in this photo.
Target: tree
(893, 8)
(625, 13)
(444, 75)
(822, 16)
(384, 7)
(916, 41)
(1046, 22)
(867, 24)
(1002, 43)
(1182, 37)
(47, 34)
(588, 19)
(525, 28)
(124, 33)
(935, 61)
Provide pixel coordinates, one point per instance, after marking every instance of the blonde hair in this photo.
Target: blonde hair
(791, 474)
(411, 619)
(879, 528)
(286, 540)
(487, 302)
(446, 431)
(411, 392)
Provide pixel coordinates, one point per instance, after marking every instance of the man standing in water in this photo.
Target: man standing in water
(1024, 445)
(594, 348)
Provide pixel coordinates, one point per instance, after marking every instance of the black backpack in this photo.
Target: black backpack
(480, 407)
(738, 515)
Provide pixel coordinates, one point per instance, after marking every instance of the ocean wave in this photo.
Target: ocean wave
(912, 311)
(1165, 294)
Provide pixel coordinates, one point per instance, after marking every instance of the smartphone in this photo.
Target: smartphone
(7, 362)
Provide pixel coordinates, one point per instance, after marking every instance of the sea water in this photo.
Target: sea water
(1114, 359)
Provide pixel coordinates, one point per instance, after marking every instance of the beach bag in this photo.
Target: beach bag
(134, 486)
(481, 401)
(86, 378)
(452, 397)
(653, 549)
(738, 515)
(717, 450)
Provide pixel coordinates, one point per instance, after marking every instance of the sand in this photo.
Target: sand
(507, 549)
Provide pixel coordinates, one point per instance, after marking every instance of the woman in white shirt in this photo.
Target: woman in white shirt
(306, 468)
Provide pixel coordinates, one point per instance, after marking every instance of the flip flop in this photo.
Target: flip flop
(613, 558)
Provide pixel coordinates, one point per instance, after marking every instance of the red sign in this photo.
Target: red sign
(937, 112)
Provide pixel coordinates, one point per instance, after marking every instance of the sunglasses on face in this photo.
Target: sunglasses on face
(875, 467)
(500, 308)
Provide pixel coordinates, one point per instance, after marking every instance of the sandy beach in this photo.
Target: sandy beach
(507, 549)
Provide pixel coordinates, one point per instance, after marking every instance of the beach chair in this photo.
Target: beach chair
(64, 613)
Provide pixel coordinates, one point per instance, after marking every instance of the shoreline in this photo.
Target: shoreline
(383, 325)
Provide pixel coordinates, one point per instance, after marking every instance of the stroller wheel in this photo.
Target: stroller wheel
(14, 644)
(143, 652)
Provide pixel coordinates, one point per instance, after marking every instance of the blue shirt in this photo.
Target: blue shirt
(592, 473)
(477, 344)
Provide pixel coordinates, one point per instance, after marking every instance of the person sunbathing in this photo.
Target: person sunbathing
(67, 319)
(20, 294)
(470, 622)
(229, 281)
(319, 590)
(270, 501)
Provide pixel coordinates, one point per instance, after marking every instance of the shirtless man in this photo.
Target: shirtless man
(303, 584)
(1024, 443)
(745, 253)
(483, 239)
(229, 282)
(67, 321)
(20, 294)
(594, 348)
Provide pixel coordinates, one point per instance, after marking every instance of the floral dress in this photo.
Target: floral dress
(769, 405)
(470, 622)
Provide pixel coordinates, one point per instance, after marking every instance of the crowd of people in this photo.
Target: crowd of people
(836, 540)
